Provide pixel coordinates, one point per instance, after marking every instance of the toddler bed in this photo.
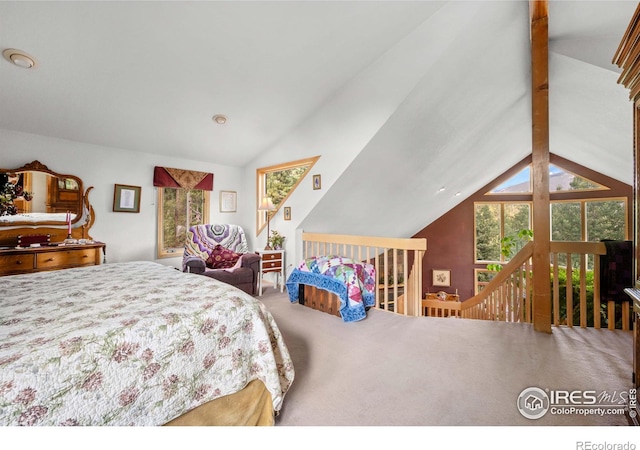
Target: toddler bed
(351, 281)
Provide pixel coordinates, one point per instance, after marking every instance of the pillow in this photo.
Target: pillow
(222, 258)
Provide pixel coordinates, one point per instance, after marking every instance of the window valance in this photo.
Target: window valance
(179, 178)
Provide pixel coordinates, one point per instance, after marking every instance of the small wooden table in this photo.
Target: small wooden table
(271, 261)
(441, 304)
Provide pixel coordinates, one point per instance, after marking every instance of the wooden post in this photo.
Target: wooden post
(540, 163)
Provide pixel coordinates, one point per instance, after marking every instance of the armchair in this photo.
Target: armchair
(220, 251)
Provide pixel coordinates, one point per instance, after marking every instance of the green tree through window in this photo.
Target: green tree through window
(488, 232)
(178, 210)
(279, 183)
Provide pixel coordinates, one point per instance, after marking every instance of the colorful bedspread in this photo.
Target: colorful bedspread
(352, 281)
(130, 344)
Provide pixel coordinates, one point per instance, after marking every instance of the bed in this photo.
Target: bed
(137, 344)
(353, 283)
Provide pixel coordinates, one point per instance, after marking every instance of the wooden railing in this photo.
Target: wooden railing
(590, 313)
(398, 264)
(508, 297)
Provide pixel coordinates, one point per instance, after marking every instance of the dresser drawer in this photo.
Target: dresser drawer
(17, 263)
(52, 260)
(271, 265)
(271, 256)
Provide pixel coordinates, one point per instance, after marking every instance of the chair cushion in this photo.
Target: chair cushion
(222, 258)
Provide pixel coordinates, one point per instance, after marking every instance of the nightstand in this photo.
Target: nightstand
(271, 261)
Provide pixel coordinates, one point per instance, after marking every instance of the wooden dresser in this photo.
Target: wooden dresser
(35, 259)
(21, 231)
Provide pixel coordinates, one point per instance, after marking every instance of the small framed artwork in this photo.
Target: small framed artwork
(228, 201)
(317, 182)
(441, 277)
(287, 213)
(126, 198)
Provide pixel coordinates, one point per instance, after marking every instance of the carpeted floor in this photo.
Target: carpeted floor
(391, 370)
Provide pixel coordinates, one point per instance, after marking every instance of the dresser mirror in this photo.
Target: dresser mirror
(34, 195)
(36, 198)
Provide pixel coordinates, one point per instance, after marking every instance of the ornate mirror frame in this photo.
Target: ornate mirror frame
(57, 226)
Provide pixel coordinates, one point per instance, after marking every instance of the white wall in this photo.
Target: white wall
(129, 236)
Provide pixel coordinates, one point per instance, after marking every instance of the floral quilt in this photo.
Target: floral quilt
(130, 344)
(352, 281)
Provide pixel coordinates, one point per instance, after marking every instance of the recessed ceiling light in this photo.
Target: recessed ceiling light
(441, 189)
(220, 119)
(19, 58)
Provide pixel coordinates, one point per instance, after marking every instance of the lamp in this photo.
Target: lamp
(266, 204)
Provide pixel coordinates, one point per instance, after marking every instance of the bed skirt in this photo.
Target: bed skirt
(251, 406)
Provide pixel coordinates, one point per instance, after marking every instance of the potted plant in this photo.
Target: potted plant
(276, 240)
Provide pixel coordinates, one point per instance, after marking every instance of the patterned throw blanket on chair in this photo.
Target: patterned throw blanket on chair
(352, 281)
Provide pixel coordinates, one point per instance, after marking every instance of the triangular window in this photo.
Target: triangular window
(560, 180)
(517, 184)
(277, 183)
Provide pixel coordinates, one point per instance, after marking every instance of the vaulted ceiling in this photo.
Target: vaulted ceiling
(148, 76)
(469, 118)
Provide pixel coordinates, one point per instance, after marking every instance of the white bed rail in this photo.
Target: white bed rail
(398, 264)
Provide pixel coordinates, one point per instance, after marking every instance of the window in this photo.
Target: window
(178, 210)
(589, 220)
(488, 231)
(566, 221)
(560, 180)
(572, 219)
(482, 277)
(606, 219)
(493, 222)
(517, 184)
(278, 182)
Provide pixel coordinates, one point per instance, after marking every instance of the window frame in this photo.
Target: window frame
(583, 213)
(261, 186)
(501, 204)
(597, 186)
(174, 252)
(583, 218)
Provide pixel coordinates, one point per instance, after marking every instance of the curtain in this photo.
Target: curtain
(179, 178)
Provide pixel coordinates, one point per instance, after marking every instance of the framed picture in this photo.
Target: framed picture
(126, 198)
(441, 277)
(317, 182)
(228, 201)
(287, 213)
